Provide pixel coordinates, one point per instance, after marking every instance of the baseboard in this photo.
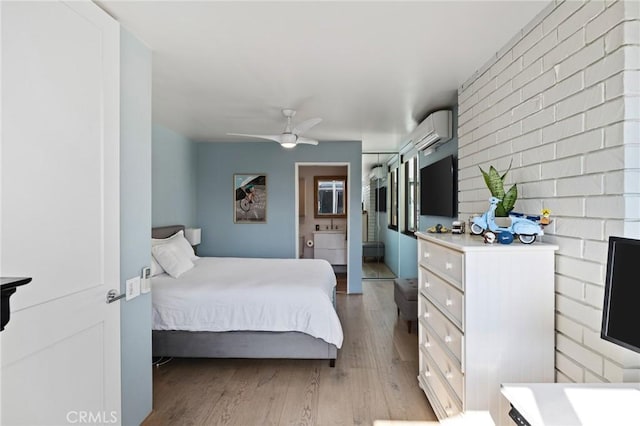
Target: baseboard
(147, 418)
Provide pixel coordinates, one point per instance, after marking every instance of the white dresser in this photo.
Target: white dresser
(331, 246)
(485, 317)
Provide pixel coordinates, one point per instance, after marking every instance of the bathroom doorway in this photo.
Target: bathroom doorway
(322, 221)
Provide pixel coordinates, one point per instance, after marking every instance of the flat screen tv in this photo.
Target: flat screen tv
(438, 188)
(621, 312)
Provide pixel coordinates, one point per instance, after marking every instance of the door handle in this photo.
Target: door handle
(112, 295)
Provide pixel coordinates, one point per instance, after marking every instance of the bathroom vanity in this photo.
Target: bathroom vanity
(331, 245)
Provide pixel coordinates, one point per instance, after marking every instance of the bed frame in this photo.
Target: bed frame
(237, 344)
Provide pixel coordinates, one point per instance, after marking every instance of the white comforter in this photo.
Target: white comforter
(232, 294)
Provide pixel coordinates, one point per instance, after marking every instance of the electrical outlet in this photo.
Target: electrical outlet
(145, 286)
(133, 288)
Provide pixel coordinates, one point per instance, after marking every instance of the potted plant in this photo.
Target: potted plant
(495, 183)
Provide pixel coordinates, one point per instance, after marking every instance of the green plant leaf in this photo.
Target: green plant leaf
(510, 198)
(504, 175)
(495, 183)
(485, 175)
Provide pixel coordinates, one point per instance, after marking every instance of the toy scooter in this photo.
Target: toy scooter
(527, 230)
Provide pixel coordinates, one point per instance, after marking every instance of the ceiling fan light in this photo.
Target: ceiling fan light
(288, 140)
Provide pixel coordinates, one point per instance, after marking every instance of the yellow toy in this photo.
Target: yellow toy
(546, 217)
(438, 229)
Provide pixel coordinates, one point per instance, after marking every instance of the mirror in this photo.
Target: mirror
(329, 196)
(380, 248)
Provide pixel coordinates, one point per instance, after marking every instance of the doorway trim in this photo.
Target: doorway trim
(296, 212)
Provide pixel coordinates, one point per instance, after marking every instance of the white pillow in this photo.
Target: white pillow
(180, 242)
(184, 246)
(156, 269)
(174, 262)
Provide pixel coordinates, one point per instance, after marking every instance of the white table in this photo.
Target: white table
(568, 404)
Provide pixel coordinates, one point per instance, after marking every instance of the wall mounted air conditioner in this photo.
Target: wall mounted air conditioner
(434, 130)
(378, 172)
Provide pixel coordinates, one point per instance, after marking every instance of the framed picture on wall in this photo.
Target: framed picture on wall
(250, 198)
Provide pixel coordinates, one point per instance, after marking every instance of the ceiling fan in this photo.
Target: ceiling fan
(291, 136)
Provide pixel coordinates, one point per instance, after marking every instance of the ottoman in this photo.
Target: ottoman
(405, 294)
(373, 249)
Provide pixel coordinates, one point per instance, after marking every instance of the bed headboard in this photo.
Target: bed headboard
(165, 231)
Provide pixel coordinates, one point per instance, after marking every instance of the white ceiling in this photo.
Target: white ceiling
(369, 69)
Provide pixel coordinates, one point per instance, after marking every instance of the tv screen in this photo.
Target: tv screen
(621, 312)
(438, 188)
(381, 199)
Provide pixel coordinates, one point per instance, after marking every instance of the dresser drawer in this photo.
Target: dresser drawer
(448, 368)
(450, 336)
(444, 261)
(449, 298)
(443, 402)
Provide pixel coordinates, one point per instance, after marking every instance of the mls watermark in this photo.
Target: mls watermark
(92, 417)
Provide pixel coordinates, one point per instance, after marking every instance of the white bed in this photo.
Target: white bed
(247, 308)
(241, 294)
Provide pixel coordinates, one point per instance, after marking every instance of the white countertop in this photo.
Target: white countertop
(573, 404)
(468, 242)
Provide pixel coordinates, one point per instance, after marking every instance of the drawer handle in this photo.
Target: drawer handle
(448, 265)
(426, 255)
(448, 302)
(448, 410)
(427, 344)
(448, 339)
(449, 375)
(427, 314)
(427, 284)
(427, 373)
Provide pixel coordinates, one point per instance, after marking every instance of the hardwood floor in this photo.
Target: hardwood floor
(374, 378)
(376, 270)
(341, 283)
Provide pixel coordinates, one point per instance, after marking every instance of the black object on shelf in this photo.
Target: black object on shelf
(517, 417)
(8, 286)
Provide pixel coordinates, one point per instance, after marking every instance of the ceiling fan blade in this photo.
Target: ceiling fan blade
(305, 126)
(277, 138)
(307, 141)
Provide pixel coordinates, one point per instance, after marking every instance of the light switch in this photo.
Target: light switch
(133, 288)
(145, 286)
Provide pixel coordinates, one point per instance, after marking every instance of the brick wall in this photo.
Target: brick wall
(562, 101)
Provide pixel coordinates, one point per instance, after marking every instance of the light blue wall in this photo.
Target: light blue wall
(408, 245)
(408, 263)
(216, 164)
(400, 253)
(174, 178)
(402, 250)
(449, 148)
(390, 238)
(135, 225)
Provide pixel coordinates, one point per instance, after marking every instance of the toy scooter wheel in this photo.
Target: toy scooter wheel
(527, 239)
(476, 229)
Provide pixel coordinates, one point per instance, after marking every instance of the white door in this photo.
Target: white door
(60, 213)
